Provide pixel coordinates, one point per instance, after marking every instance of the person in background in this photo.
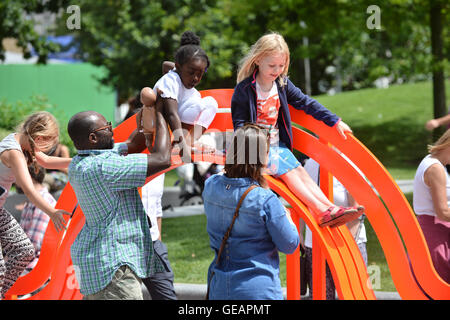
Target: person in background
(431, 196)
(432, 124)
(134, 105)
(357, 228)
(159, 285)
(33, 220)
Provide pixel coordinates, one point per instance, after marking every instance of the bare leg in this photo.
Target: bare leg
(298, 187)
(312, 186)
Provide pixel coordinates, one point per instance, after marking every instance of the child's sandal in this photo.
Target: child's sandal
(328, 218)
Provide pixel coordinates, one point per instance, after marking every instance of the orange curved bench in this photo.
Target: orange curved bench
(336, 245)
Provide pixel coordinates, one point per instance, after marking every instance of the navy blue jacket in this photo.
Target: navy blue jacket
(243, 107)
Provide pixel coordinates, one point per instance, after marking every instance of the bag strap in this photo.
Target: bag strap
(227, 234)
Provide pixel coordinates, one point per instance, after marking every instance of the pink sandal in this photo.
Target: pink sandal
(328, 218)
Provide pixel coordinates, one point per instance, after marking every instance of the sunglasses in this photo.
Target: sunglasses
(108, 126)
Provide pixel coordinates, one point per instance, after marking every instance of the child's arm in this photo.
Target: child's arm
(50, 162)
(167, 66)
(170, 112)
(342, 128)
(435, 123)
(301, 101)
(64, 153)
(239, 108)
(23, 179)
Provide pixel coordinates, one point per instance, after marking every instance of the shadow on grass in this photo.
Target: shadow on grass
(395, 143)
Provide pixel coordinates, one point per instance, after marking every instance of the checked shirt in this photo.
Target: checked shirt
(116, 231)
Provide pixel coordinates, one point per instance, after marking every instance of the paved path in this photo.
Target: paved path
(189, 291)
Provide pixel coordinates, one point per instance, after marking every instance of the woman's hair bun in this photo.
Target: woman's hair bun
(189, 37)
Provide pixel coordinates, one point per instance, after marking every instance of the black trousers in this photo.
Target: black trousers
(160, 285)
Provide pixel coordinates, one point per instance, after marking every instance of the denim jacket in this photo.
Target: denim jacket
(243, 107)
(249, 265)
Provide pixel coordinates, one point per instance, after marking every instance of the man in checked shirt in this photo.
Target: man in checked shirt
(114, 250)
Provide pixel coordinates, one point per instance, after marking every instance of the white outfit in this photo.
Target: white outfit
(192, 108)
(151, 199)
(422, 201)
(340, 198)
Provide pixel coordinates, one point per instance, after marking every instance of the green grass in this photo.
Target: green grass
(170, 178)
(188, 246)
(4, 133)
(190, 255)
(189, 252)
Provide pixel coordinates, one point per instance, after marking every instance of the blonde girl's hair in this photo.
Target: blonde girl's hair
(268, 44)
(40, 124)
(442, 143)
(247, 155)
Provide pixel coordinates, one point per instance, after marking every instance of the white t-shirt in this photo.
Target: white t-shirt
(171, 86)
(151, 199)
(340, 198)
(192, 108)
(422, 201)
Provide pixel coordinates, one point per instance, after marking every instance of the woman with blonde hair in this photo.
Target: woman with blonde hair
(262, 96)
(246, 240)
(36, 135)
(431, 196)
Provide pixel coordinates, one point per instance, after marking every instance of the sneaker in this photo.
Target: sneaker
(328, 218)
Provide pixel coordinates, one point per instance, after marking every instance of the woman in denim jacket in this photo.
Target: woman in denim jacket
(249, 264)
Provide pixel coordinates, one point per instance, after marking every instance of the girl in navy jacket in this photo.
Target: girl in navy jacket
(262, 96)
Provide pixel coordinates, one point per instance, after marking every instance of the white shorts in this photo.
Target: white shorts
(198, 111)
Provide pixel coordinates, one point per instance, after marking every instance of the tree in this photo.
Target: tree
(132, 38)
(437, 49)
(15, 24)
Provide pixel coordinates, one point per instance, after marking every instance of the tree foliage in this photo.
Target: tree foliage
(15, 23)
(131, 38)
